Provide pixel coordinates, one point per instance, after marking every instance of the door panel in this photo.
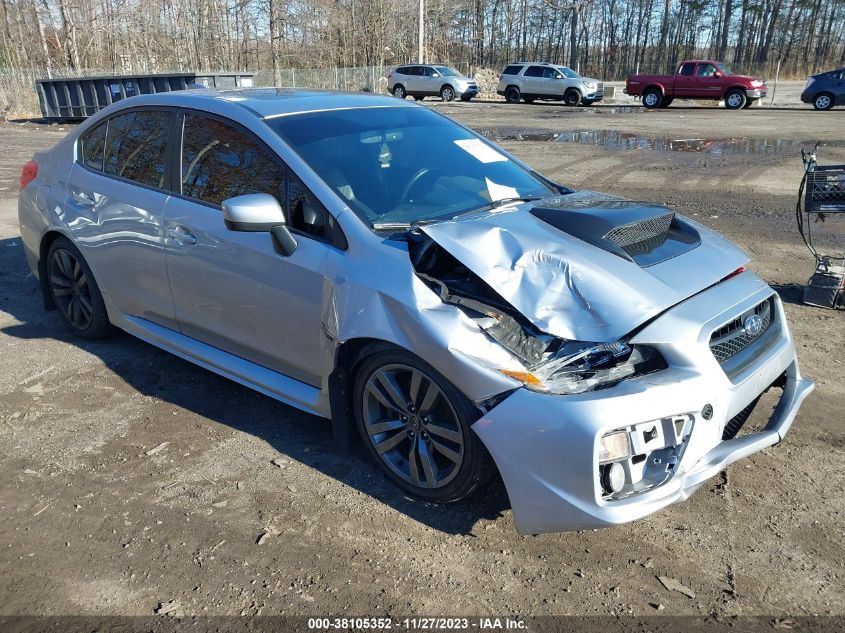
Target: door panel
(117, 224)
(235, 292)
(232, 289)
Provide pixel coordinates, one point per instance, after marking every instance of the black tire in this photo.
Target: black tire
(735, 99)
(419, 97)
(572, 97)
(512, 94)
(74, 290)
(667, 101)
(447, 93)
(652, 98)
(399, 91)
(450, 412)
(823, 101)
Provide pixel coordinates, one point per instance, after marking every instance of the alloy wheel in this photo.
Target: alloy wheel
(413, 426)
(822, 102)
(71, 289)
(735, 100)
(447, 94)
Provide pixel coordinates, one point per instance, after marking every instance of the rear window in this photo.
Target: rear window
(136, 146)
(93, 144)
(512, 70)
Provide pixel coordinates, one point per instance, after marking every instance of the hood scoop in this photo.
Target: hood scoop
(642, 233)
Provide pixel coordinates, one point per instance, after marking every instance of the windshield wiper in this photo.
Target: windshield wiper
(503, 201)
(401, 226)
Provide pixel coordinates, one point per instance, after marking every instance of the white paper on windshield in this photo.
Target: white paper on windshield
(499, 192)
(480, 150)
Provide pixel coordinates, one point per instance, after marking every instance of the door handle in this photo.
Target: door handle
(182, 235)
(83, 198)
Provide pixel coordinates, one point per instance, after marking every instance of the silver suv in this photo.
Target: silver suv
(429, 80)
(540, 80)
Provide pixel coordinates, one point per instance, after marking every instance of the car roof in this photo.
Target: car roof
(269, 102)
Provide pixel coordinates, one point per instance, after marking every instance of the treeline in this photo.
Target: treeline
(607, 38)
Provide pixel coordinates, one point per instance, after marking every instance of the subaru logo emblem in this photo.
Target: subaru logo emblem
(753, 325)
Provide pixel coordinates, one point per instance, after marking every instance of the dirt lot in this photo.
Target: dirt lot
(97, 516)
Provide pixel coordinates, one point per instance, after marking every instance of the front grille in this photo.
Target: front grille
(601, 87)
(641, 237)
(736, 423)
(730, 339)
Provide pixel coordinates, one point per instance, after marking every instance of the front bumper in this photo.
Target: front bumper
(755, 93)
(466, 91)
(546, 445)
(806, 97)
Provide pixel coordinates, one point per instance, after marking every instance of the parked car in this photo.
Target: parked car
(530, 81)
(697, 79)
(825, 90)
(430, 80)
(371, 261)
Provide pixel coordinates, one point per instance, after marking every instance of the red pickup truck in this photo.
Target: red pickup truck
(697, 79)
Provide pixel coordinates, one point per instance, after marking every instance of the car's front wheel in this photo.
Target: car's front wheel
(447, 93)
(416, 425)
(572, 97)
(74, 290)
(824, 101)
(735, 99)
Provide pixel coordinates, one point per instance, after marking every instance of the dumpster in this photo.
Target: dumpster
(80, 97)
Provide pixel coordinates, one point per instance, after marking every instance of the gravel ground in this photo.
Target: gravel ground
(130, 478)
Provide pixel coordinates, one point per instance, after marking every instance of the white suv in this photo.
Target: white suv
(540, 80)
(430, 80)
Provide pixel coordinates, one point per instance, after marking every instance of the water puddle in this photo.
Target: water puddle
(614, 139)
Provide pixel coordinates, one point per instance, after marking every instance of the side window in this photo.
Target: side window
(220, 161)
(416, 71)
(136, 146)
(686, 70)
(402, 70)
(534, 71)
(706, 70)
(552, 73)
(512, 70)
(93, 145)
(304, 210)
(429, 72)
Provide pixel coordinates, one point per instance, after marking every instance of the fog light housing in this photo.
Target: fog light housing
(612, 477)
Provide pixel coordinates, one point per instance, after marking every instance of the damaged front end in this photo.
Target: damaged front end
(551, 364)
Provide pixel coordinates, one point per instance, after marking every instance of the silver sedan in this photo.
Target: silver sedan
(373, 262)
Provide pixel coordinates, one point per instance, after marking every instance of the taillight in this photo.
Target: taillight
(28, 173)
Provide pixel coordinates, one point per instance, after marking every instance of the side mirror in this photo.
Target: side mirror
(259, 213)
(436, 75)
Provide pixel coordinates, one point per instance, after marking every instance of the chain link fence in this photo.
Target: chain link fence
(18, 99)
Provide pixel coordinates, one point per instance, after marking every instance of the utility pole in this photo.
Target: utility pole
(420, 36)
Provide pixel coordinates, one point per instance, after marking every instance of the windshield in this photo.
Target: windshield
(724, 69)
(447, 72)
(568, 72)
(403, 165)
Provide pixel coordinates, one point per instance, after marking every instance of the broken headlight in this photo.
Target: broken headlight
(577, 367)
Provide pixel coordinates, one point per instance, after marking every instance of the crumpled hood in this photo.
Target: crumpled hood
(570, 287)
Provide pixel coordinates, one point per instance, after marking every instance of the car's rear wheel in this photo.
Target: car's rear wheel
(823, 101)
(399, 91)
(512, 94)
(447, 93)
(416, 425)
(74, 290)
(735, 99)
(572, 97)
(652, 98)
